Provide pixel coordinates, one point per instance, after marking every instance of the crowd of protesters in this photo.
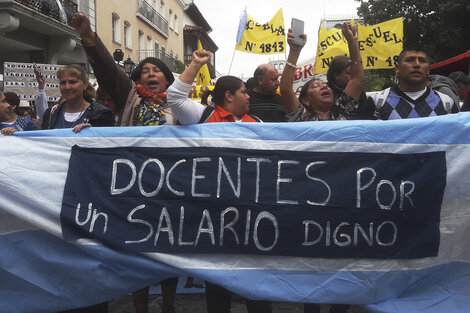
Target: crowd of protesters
(151, 97)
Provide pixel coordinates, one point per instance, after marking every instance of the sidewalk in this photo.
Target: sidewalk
(196, 303)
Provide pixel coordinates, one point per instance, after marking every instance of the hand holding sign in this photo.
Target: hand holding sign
(379, 44)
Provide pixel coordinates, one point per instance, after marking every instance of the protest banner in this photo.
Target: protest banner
(20, 79)
(330, 44)
(360, 212)
(203, 77)
(268, 38)
(303, 73)
(196, 91)
(379, 44)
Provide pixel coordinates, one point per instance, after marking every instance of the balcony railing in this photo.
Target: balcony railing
(188, 58)
(165, 58)
(158, 21)
(51, 9)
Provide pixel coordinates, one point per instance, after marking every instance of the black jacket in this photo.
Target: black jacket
(365, 110)
(99, 115)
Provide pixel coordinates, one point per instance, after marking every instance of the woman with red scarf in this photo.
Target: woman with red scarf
(140, 101)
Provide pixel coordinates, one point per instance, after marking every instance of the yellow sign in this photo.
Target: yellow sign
(196, 91)
(330, 44)
(268, 38)
(379, 45)
(203, 77)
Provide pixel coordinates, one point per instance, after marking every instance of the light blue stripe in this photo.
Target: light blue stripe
(41, 273)
(443, 288)
(454, 129)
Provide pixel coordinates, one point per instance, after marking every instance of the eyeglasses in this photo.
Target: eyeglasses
(318, 85)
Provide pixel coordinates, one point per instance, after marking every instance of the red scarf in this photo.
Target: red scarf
(151, 111)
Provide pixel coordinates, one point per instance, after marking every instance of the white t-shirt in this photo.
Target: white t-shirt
(72, 117)
(415, 94)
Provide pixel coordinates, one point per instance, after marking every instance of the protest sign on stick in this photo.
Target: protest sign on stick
(379, 45)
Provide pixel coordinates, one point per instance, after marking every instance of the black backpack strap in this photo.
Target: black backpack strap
(208, 111)
(255, 118)
(206, 114)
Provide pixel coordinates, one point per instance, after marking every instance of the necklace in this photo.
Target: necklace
(74, 121)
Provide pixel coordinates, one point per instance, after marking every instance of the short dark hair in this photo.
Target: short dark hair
(260, 71)
(250, 83)
(135, 76)
(404, 51)
(13, 99)
(337, 65)
(223, 84)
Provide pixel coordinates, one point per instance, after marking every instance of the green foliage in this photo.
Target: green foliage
(180, 67)
(440, 27)
(375, 79)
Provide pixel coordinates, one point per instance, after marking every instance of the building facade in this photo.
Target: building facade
(336, 21)
(142, 28)
(196, 28)
(37, 31)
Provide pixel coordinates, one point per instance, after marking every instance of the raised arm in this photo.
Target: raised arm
(291, 102)
(356, 83)
(110, 77)
(40, 99)
(186, 110)
(199, 58)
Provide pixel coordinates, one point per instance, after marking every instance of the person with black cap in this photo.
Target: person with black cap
(463, 85)
(140, 101)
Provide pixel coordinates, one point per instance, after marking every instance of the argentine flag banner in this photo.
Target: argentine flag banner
(373, 213)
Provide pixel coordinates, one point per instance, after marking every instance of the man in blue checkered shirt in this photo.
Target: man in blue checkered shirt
(411, 98)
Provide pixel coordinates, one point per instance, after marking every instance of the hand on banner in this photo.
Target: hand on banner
(201, 57)
(349, 31)
(40, 79)
(82, 26)
(7, 131)
(79, 127)
(294, 47)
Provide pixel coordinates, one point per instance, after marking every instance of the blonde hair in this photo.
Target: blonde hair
(78, 71)
(74, 70)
